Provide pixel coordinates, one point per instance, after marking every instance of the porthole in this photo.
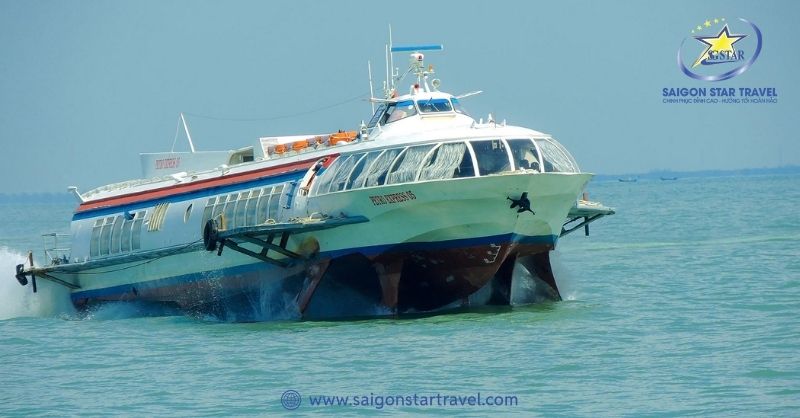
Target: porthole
(188, 213)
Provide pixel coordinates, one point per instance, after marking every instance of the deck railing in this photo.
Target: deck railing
(56, 249)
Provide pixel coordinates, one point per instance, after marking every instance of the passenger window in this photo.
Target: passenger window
(356, 180)
(492, 156)
(555, 157)
(525, 155)
(207, 211)
(377, 173)
(262, 209)
(466, 168)
(105, 236)
(407, 166)
(218, 207)
(94, 244)
(127, 225)
(252, 207)
(230, 207)
(116, 232)
(239, 212)
(275, 202)
(323, 182)
(136, 234)
(343, 173)
(446, 163)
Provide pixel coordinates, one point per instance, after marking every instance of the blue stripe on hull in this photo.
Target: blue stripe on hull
(183, 279)
(444, 245)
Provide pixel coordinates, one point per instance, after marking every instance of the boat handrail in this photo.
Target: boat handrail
(124, 185)
(53, 253)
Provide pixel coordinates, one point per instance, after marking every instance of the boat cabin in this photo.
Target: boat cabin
(435, 104)
(443, 160)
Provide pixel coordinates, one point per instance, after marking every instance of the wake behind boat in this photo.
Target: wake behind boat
(421, 208)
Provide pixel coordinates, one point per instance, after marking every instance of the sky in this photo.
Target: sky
(85, 86)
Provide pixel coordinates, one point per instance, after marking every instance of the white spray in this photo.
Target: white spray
(20, 301)
(566, 281)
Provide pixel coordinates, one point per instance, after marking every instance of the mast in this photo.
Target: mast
(188, 135)
(391, 60)
(371, 93)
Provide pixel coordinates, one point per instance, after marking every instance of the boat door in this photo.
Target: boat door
(297, 194)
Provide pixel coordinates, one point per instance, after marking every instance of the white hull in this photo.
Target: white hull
(460, 212)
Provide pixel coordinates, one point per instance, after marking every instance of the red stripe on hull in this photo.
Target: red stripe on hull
(194, 186)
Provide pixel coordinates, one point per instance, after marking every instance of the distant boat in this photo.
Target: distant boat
(668, 178)
(628, 179)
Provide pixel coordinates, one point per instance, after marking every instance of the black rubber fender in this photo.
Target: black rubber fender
(210, 235)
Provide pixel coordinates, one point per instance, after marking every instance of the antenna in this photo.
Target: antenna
(391, 60)
(472, 93)
(393, 74)
(186, 129)
(386, 86)
(371, 94)
(416, 66)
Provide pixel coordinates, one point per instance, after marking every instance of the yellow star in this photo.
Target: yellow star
(708, 23)
(716, 20)
(699, 27)
(722, 42)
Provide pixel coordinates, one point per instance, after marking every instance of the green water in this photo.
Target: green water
(686, 302)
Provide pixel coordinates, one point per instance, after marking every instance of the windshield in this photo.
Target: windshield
(434, 105)
(457, 107)
(399, 110)
(377, 116)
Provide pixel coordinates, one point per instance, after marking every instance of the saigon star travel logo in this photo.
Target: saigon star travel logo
(719, 49)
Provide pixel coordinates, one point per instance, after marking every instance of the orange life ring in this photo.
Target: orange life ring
(300, 145)
(342, 137)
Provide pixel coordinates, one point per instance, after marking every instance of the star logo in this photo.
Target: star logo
(722, 43)
(719, 38)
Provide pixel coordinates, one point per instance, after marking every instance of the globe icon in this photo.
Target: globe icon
(291, 399)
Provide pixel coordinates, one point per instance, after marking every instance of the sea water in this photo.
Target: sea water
(686, 302)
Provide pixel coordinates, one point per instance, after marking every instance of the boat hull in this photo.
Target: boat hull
(426, 246)
(353, 285)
